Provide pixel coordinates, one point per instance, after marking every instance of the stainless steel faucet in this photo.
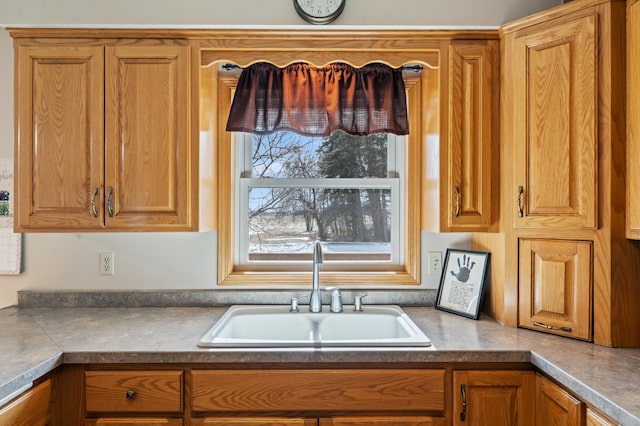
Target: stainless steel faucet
(315, 301)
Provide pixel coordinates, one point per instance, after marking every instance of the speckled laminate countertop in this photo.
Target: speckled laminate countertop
(33, 341)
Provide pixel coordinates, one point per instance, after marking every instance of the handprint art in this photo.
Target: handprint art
(464, 269)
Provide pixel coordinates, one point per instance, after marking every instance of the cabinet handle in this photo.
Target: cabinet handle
(94, 208)
(552, 327)
(463, 413)
(110, 202)
(456, 193)
(520, 209)
(131, 395)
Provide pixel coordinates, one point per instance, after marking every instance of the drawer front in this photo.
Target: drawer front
(32, 408)
(133, 391)
(133, 422)
(324, 390)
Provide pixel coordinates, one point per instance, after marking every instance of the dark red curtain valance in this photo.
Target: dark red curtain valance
(318, 101)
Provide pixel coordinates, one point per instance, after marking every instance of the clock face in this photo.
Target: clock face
(319, 11)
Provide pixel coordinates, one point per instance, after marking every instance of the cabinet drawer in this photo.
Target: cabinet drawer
(318, 390)
(133, 391)
(133, 422)
(32, 408)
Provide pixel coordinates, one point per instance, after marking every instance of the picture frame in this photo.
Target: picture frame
(462, 282)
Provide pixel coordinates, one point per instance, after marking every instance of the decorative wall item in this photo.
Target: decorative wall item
(462, 282)
(10, 242)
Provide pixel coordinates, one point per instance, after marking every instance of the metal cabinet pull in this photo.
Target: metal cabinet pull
(110, 202)
(131, 395)
(94, 208)
(552, 327)
(463, 413)
(520, 208)
(456, 193)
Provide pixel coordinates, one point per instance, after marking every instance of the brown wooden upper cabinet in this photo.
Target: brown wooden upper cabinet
(633, 119)
(103, 136)
(472, 180)
(554, 129)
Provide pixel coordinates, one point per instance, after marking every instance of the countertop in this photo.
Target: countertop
(34, 341)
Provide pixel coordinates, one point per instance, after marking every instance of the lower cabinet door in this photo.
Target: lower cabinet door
(594, 418)
(554, 283)
(555, 406)
(382, 421)
(493, 398)
(254, 421)
(30, 409)
(133, 422)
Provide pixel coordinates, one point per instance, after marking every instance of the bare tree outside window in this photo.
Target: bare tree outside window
(353, 221)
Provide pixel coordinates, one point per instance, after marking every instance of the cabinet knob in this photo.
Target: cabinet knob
(131, 395)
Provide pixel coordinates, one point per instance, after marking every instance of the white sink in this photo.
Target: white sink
(262, 326)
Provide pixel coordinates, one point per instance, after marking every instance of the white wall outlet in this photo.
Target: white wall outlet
(435, 262)
(106, 266)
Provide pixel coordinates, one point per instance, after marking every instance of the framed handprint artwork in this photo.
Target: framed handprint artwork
(462, 282)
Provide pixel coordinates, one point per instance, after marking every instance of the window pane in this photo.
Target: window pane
(289, 155)
(353, 224)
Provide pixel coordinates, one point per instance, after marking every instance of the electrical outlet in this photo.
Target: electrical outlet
(435, 262)
(106, 266)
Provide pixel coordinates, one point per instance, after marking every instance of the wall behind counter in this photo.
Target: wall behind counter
(187, 261)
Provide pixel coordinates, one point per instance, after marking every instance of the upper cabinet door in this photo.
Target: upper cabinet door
(473, 135)
(633, 119)
(553, 72)
(148, 150)
(59, 137)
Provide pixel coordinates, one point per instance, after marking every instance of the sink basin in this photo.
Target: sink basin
(261, 326)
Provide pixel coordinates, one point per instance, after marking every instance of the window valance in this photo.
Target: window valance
(318, 101)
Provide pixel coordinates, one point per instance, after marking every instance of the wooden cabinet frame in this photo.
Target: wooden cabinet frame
(616, 261)
(105, 139)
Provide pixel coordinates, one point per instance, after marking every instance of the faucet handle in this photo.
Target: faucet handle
(357, 302)
(336, 299)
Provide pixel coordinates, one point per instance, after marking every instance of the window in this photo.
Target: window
(415, 187)
(343, 190)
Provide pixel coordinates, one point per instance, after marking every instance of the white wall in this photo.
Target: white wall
(178, 260)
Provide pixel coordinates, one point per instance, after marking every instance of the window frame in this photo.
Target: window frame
(423, 97)
(394, 182)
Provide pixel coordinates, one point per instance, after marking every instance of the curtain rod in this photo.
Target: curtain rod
(414, 68)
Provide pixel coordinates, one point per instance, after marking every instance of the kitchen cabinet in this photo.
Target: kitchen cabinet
(103, 135)
(562, 161)
(134, 421)
(594, 418)
(555, 406)
(469, 177)
(553, 132)
(255, 421)
(322, 421)
(111, 395)
(493, 398)
(30, 409)
(411, 395)
(555, 286)
(382, 421)
(633, 119)
(314, 390)
(473, 135)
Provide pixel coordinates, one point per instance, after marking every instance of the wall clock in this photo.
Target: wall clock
(319, 11)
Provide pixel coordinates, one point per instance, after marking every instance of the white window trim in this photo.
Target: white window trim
(395, 166)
